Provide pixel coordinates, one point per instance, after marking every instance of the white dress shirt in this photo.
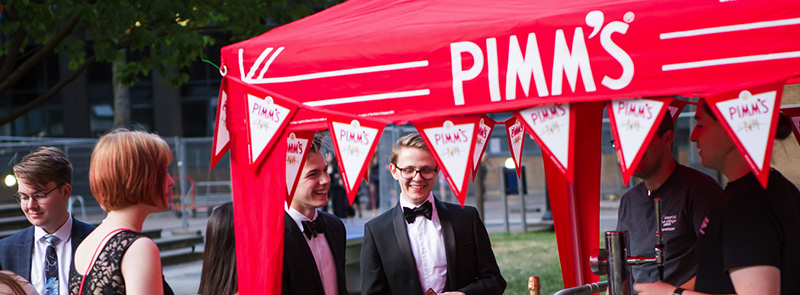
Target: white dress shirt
(427, 245)
(321, 251)
(63, 251)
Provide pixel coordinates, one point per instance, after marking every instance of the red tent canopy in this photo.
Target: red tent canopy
(399, 61)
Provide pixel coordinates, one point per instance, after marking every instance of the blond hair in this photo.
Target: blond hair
(128, 168)
(411, 140)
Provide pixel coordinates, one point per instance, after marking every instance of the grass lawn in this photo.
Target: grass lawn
(521, 255)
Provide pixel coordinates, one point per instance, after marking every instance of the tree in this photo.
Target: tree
(161, 33)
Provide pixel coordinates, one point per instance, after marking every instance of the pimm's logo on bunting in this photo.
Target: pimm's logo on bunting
(354, 142)
(483, 132)
(265, 118)
(749, 117)
(516, 139)
(633, 123)
(452, 144)
(221, 134)
(551, 126)
(297, 146)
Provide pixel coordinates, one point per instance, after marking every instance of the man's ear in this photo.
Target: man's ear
(67, 189)
(392, 169)
(668, 136)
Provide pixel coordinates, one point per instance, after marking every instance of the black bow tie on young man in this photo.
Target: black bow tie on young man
(313, 228)
(426, 209)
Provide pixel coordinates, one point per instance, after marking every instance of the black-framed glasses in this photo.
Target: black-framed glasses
(40, 197)
(410, 173)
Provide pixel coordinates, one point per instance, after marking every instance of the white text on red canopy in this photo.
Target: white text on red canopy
(566, 62)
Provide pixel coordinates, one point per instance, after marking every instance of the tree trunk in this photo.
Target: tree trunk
(122, 97)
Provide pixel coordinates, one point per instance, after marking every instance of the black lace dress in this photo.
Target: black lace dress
(105, 277)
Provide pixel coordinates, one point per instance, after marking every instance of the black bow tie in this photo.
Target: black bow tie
(313, 228)
(411, 214)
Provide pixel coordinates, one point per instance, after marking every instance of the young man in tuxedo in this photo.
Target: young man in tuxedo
(314, 241)
(423, 244)
(42, 253)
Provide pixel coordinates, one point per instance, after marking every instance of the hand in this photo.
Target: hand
(657, 288)
(452, 293)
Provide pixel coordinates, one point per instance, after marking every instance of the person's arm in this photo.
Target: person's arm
(751, 280)
(489, 280)
(373, 277)
(141, 268)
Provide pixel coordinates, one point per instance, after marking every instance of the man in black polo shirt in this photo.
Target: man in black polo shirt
(685, 194)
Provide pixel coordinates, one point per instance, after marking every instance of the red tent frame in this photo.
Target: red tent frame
(400, 61)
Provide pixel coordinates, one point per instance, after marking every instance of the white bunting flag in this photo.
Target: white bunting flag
(354, 141)
(633, 123)
(265, 118)
(750, 118)
(484, 131)
(551, 126)
(221, 136)
(452, 144)
(297, 146)
(516, 139)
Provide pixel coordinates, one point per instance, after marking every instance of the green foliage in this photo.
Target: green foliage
(172, 33)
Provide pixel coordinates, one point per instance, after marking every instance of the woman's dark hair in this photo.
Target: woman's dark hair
(11, 283)
(219, 257)
(783, 129)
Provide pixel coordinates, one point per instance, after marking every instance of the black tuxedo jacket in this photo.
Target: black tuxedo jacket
(300, 275)
(16, 250)
(388, 266)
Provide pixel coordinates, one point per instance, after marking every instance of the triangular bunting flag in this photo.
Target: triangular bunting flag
(516, 139)
(354, 141)
(794, 116)
(633, 123)
(221, 142)
(483, 132)
(451, 143)
(750, 118)
(552, 127)
(676, 107)
(266, 116)
(297, 147)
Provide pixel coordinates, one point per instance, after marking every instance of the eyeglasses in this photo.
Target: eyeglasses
(40, 197)
(409, 173)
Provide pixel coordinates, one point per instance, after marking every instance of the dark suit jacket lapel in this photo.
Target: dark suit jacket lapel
(449, 241)
(304, 259)
(399, 223)
(25, 251)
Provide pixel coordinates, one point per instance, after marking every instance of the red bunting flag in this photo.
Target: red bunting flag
(750, 116)
(516, 138)
(222, 137)
(633, 123)
(354, 141)
(552, 127)
(452, 142)
(483, 133)
(794, 116)
(266, 116)
(297, 146)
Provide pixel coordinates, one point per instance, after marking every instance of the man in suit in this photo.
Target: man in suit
(423, 244)
(314, 241)
(42, 253)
